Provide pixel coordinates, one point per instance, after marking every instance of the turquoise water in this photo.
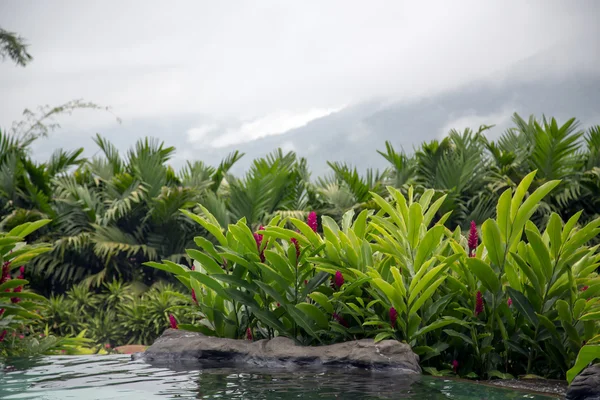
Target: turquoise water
(117, 377)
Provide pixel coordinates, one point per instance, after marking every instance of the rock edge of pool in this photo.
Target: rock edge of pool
(185, 349)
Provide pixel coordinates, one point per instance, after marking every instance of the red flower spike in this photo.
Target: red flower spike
(2, 335)
(473, 239)
(455, 366)
(393, 316)
(194, 297)
(173, 322)
(21, 272)
(478, 303)
(338, 280)
(312, 221)
(509, 302)
(297, 245)
(5, 272)
(249, 334)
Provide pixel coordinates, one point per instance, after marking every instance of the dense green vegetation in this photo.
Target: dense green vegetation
(113, 213)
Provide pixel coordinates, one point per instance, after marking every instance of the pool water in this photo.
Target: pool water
(117, 377)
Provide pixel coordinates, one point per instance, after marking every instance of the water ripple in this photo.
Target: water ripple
(117, 377)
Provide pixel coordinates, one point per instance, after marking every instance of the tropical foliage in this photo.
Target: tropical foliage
(524, 301)
(121, 314)
(386, 259)
(19, 309)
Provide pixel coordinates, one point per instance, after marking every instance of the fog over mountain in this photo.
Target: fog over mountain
(331, 81)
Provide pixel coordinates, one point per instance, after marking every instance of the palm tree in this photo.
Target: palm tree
(14, 47)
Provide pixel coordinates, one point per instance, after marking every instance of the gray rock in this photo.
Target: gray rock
(586, 386)
(182, 347)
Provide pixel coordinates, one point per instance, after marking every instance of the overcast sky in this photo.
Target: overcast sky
(248, 69)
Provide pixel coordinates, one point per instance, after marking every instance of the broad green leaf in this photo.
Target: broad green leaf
(382, 336)
(564, 311)
(13, 283)
(322, 300)
(426, 295)
(415, 218)
(493, 242)
(214, 229)
(484, 273)
(593, 316)
(440, 323)
(554, 230)
(315, 314)
(521, 303)
(428, 244)
(503, 213)
(586, 355)
(540, 251)
(177, 269)
(207, 262)
(209, 282)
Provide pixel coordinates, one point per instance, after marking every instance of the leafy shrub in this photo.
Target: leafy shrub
(522, 301)
(19, 308)
(120, 314)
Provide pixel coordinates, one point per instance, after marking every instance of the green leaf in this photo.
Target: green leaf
(13, 283)
(440, 323)
(503, 213)
(322, 300)
(213, 228)
(382, 336)
(238, 282)
(593, 316)
(586, 355)
(210, 283)
(541, 252)
(564, 311)
(430, 242)
(493, 242)
(23, 295)
(302, 320)
(523, 305)
(173, 269)
(415, 218)
(484, 273)
(315, 314)
(554, 230)
(465, 338)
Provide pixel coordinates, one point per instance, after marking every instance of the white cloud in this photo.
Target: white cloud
(252, 61)
(272, 124)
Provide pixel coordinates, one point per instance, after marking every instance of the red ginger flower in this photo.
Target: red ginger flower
(5, 272)
(297, 245)
(173, 322)
(2, 335)
(393, 316)
(455, 366)
(583, 289)
(509, 302)
(249, 334)
(258, 238)
(473, 239)
(21, 272)
(312, 221)
(478, 303)
(338, 280)
(194, 296)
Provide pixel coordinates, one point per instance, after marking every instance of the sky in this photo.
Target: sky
(207, 74)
